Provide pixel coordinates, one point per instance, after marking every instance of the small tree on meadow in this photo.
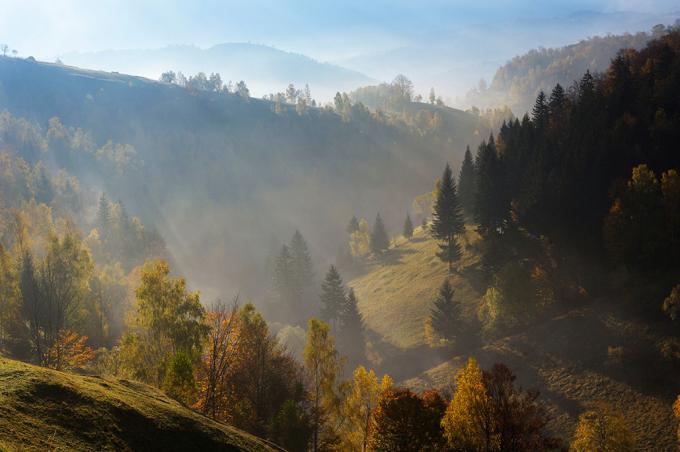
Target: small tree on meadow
(445, 323)
(447, 220)
(333, 301)
(408, 227)
(380, 241)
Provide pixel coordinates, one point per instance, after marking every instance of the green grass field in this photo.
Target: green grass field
(42, 409)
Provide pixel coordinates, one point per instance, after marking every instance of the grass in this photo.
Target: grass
(395, 296)
(594, 352)
(43, 409)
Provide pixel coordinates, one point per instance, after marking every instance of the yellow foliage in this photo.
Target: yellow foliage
(676, 411)
(360, 240)
(602, 429)
(69, 351)
(468, 422)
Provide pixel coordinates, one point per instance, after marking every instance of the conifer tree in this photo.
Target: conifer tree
(408, 227)
(491, 205)
(447, 219)
(445, 314)
(466, 184)
(379, 239)
(333, 301)
(104, 216)
(353, 225)
(351, 338)
(301, 261)
(556, 102)
(285, 281)
(540, 111)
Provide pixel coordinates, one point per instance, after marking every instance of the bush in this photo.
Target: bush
(179, 382)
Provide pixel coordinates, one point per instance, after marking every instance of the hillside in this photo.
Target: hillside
(264, 68)
(575, 356)
(43, 409)
(517, 82)
(223, 153)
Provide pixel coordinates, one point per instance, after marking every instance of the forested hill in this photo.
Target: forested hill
(220, 173)
(518, 82)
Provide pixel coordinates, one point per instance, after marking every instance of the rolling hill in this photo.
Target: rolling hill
(264, 68)
(43, 409)
(576, 356)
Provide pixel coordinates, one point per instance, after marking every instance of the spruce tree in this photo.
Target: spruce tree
(332, 297)
(491, 202)
(540, 111)
(285, 282)
(104, 216)
(353, 225)
(447, 219)
(445, 314)
(301, 260)
(408, 227)
(466, 184)
(379, 239)
(351, 338)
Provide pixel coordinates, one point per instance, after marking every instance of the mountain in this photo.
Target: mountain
(218, 174)
(518, 82)
(265, 69)
(46, 409)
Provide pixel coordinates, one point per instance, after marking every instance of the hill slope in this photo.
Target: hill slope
(576, 356)
(43, 409)
(264, 68)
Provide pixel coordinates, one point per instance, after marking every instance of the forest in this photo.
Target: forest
(362, 294)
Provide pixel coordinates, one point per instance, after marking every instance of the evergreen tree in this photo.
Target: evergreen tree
(301, 261)
(408, 227)
(445, 314)
(540, 111)
(466, 184)
(491, 204)
(333, 302)
(104, 216)
(286, 283)
(379, 239)
(447, 219)
(353, 225)
(351, 337)
(556, 102)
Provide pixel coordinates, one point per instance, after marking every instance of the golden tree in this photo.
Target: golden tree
(600, 428)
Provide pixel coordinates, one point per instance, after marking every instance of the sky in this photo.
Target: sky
(431, 38)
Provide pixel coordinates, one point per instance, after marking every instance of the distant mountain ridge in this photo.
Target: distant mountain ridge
(265, 69)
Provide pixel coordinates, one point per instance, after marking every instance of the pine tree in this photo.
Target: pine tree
(408, 227)
(379, 239)
(556, 102)
(445, 314)
(447, 219)
(351, 337)
(332, 297)
(491, 204)
(466, 184)
(301, 261)
(353, 225)
(540, 111)
(104, 216)
(285, 282)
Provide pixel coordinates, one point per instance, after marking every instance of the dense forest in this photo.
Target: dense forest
(517, 83)
(122, 196)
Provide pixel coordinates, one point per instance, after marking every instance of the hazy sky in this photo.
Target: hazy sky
(428, 39)
(326, 30)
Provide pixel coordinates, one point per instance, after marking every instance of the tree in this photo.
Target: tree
(466, 184)
(333, 301)
(362, 399)
(9, 296)
(322, 365)
(447, 220)
(379, 238)
(468, 422)
(219, 356)
(32, 306)
(432, 96)
(4, 48)
(168, 77)
(491, 197)
(408, 227)
(403, 422)
(179, 381)
(676, 411)
(351, 334)
(445, 316)
(103, 223)
(600, 428)
(286, 280)
(291, 427)
(360, 240)
(69, 351)
(540, 112)
(292, 94)
(353, 225)
(242, 90)
(301, 260)
(671, 304)
(168, 320)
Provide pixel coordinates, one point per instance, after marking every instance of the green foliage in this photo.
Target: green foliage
(291, 427)
(380, 241)
(351, 331)
(447, 219)
(333, 300)
(408, 227)
(179, 381)
(445, 318)
(466, 184)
